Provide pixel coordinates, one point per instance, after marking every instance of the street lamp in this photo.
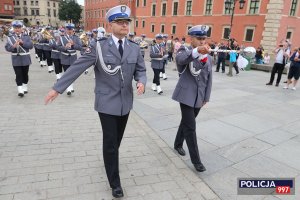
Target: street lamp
(228, 5)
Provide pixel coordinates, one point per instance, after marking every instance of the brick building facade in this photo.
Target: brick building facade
(260, 22)
(6, 9)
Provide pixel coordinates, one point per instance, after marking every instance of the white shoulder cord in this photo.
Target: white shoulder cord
(107, 69)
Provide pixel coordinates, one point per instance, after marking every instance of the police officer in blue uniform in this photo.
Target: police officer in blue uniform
(193, 89)
(19, 45)
(117, 61)
(47, 36)
(56, 54)
(157, 53)
(67, 45)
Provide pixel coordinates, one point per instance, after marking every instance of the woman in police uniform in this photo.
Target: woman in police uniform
(19, 44)
(192, 90)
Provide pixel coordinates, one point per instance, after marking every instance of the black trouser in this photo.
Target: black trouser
(57, 66)
(44, 55)
(164, 66)
(156, 79)
(21, 74)
(40, 54)
(113, 128)
(187, 131)
(48, 57)
(221, 61)
(65, 67)
(170, 56)
(277, 68)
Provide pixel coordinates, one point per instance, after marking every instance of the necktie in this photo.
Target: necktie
(120, 47)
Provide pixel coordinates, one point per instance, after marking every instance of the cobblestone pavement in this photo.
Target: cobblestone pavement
(54, 152)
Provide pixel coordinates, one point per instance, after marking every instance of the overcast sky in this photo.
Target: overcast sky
(80, 2)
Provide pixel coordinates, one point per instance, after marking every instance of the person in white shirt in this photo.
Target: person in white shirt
(282, 55)
(266, 58)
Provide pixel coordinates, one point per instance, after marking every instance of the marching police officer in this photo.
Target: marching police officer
(47, 36)
(157, 53)
(163, 74)
(67, 45)
(192, 90)
(117, 61)
(143, 44)
(56, 54)
(131, 37)
(19, 45)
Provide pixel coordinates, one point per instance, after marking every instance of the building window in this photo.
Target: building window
(289, 35)
(173, 29)
(54, 5)
(226, 32)
(152, 28)
(209, 32)
(32, 3)
(208, 7)
(153, 9)
(17, 11)
(136, 23)
(249, 34)
(188, 28)
(137, 3)
(143, 23)
(293, 7)
(37, 12)
(145, 2)
(228, 11)
(9, 7)
(37, 3)
(188, 8)
(54, 13)
(32, 12)
(162, 28)
(102, 13)
(254, 6)
(163, 9)
(25, 3)
(5, 7)
(48, 3)
(175, 8)
(49, 12)
(25, 11)
(18, 2)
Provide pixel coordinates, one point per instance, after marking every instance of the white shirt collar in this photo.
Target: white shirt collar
(116, 40)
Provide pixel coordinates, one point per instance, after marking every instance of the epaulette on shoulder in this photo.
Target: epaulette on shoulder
(133, 42)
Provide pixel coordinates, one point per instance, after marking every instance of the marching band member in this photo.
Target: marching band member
(157, 53)
(39, 48)
(131, 37)
(67, 45)
(117, 62)
(56, 54)
(193, 89)
(19, 45)
(47, 36)
(101, 33)
(143, 44)
(95, 33)
(162, 74)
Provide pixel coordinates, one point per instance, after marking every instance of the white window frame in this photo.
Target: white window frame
(223, 31)
(163, 2)
(185, 9)
(152, 10)
(172, 29)
(173, 7)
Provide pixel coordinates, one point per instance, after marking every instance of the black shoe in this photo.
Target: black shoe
(223, 71)
(117, 192)
(277, 84)
(72, 91)
(200, 167)
(269, 83)
(285, 82)
(180, 150)
(69, 93)
(217, 71)
(21, 95)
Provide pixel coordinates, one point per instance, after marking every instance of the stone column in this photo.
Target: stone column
(272, 25)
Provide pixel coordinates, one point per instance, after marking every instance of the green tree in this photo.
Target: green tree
(69, 11)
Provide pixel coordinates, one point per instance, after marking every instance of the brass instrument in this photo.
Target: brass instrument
(143, 44)
(84, 39)
(46, 34)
